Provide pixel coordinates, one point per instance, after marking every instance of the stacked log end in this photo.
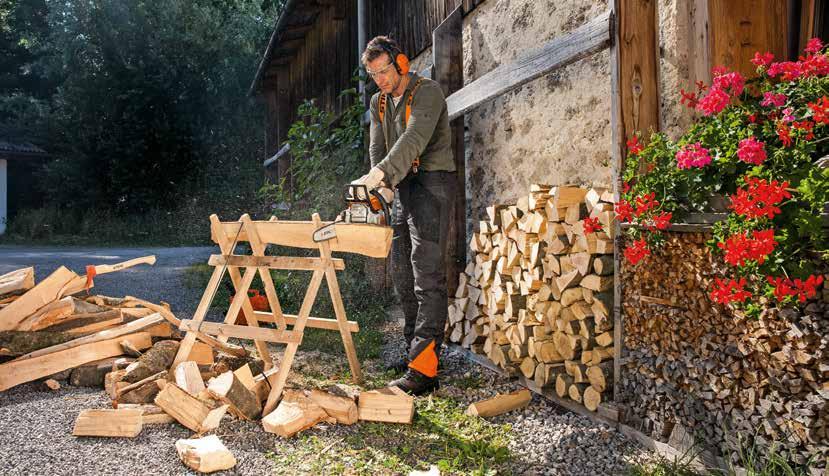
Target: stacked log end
(536, 297)
(695, 369)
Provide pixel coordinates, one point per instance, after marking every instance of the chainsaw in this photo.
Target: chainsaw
(362, 206)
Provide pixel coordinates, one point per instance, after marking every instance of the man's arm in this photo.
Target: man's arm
(426, 109)
(377, 141)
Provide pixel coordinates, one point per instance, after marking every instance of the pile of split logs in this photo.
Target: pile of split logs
(55, 331)
(537, 296)
(695, 369)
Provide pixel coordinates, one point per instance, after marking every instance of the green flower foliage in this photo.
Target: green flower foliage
(757, 153)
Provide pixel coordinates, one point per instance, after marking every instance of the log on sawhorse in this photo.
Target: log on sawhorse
(369, 240)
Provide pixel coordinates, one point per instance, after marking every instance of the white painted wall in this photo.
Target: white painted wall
(3, 195)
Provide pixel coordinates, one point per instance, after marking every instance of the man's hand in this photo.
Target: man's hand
(371, 180)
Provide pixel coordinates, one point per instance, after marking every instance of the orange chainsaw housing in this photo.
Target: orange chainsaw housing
(259, 303)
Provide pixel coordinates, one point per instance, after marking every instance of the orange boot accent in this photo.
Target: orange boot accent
(426, 361)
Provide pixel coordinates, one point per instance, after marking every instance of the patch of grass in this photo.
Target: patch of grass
(773, 462)
(666, 467)
(440, 435)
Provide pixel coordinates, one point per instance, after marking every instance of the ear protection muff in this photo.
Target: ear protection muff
(401, 61)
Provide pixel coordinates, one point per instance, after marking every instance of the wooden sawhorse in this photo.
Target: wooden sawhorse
(369, 240)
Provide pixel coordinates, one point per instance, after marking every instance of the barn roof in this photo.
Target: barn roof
(13, 145)
(295, 20)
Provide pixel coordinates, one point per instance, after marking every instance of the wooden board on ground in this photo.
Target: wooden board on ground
(113, 423)
(205, 455)
(390, 405)
(22, 371)
(150, 414)
(500, 404)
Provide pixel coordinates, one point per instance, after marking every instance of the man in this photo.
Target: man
(411, 150)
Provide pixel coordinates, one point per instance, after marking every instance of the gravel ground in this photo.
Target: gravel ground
(35, 434)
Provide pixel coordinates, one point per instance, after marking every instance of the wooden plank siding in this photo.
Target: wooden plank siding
(411, 22)
(739, 28)
(308, 63)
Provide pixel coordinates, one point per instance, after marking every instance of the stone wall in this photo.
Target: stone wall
(555, 129)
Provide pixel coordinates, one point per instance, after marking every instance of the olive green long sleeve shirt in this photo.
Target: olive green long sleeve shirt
(394, 146)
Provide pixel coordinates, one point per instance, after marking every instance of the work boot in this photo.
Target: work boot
(415, 383)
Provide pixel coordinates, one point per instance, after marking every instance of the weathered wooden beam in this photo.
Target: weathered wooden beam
(559, 52)
(617, 149)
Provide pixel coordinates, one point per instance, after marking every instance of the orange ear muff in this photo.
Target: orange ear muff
(402, 63)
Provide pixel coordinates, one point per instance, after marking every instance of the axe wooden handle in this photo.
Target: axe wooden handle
(79, 284)
(109, 268)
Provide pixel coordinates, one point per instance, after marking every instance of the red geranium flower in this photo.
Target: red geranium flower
(740, 248)
(662, 221)
(813, 46)
(645, 202)
(689, 98)
(634, 147)
(752, 151)
(714, 102)
(806, 126)
(773, 99)
(591, 225)
(820, 110)
(624, 211)
(759, 198)
(762, 60)
(726, 292)
(784, 134)
(637, 251)
(784, 287)
(692, 155)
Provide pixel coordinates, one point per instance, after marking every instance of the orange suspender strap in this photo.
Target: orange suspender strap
(416, 162)
(382, 107)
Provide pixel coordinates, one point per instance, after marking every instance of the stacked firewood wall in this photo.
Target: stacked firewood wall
(692, 367)
(537, 297)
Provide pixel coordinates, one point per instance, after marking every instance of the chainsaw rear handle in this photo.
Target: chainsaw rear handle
(374, 198)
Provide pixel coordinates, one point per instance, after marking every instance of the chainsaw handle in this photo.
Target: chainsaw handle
(384, 205)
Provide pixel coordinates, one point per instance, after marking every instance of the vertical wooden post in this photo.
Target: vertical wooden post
(617, 139)
(638, 68)
(447, 58)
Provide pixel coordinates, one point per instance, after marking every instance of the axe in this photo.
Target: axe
(80, 283)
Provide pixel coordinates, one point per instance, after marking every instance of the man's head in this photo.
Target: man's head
(379, 61)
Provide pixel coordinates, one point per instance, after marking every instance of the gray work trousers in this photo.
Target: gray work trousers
(421, 213)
